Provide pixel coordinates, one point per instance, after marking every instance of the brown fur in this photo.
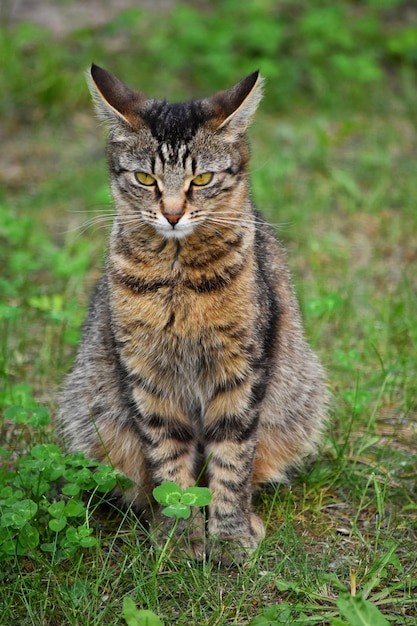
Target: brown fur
(193, 349)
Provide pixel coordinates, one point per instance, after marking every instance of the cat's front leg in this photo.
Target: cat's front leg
(235, 529)
(170, 448)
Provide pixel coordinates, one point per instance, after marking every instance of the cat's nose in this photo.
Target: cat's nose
(172, 209)
(173, 218)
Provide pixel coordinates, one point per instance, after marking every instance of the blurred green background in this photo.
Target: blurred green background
(342, 53)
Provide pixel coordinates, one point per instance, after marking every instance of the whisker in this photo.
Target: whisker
(133, 220)
(261, 165)
(251, 220)
(231, 220)
(132, 227)
(100, 209)
(233, 223)
(104, 220)
(131, 223)
(210, 226)
(83, 228)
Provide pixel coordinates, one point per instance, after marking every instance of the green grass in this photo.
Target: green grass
(339, 181)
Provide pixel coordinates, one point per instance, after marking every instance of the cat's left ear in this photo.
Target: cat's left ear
(235, 107)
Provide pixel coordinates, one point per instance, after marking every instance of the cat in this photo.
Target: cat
(193, 353)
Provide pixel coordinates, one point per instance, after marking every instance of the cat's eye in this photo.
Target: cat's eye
(145, 179)
(202, 179)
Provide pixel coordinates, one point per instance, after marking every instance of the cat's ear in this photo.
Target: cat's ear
(235, 107)
(114, 101)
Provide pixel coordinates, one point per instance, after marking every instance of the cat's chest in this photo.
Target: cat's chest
(186, 326)
(190, 339)
(183, 308)
(183, 298)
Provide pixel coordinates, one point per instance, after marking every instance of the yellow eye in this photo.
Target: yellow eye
(202, 179)
(145, 179)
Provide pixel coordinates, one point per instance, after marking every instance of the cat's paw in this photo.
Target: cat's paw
(229, 548)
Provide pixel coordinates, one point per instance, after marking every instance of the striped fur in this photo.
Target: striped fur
(193, 347)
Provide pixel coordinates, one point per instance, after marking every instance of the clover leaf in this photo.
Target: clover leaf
(177, 501)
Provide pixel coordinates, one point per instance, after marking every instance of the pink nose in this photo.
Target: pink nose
(173, 218)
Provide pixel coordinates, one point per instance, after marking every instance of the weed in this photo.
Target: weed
(33, 514)
(138, 617)
(178, 502)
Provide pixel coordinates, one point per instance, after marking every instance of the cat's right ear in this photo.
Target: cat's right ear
(114, 101)
(234, 107)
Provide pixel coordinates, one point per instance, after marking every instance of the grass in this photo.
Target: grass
(340, 184)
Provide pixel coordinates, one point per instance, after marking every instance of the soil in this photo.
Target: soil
(62, 17)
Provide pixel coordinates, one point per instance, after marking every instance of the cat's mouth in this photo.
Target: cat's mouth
(174, 226)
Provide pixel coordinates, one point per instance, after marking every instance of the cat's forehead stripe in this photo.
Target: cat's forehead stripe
(169, 151)
(175, 155)
(182, 152)
(166, 151)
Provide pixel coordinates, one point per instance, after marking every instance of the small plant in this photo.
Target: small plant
(138, 617)
(41, 495)
(178, 502)
(358, 612)
(356, 609)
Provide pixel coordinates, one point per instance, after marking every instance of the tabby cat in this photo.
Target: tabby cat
(193, 352)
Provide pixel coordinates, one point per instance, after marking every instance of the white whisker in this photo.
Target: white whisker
(100, 209)
(234, 223)
(96, 222)
(209, 226)
(215, 221)
(254, 219)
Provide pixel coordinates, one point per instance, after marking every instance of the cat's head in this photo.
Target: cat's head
(176, 166)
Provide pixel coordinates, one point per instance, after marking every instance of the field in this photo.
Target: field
(334, 169)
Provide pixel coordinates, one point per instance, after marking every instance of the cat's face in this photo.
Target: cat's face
(176, 167)
(176, 186)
